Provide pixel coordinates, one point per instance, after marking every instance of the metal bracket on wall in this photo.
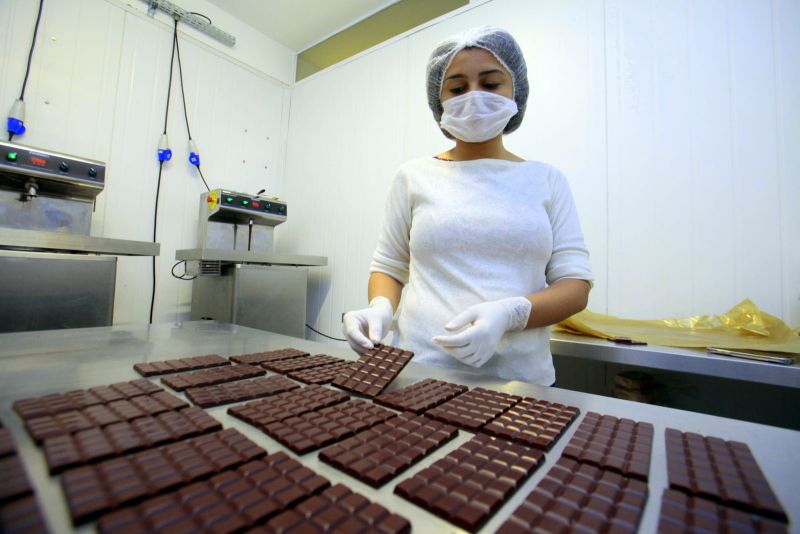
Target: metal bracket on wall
(187, 17)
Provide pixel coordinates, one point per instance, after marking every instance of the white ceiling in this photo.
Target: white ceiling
(299, 24)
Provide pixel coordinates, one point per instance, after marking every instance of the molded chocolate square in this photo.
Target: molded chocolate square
(228, 502)
(474, 408)
(243, 390)
(321, 375)
(14, 481)
(377, 455)
(421, 396)
(93, 490)
(723, 471)
(579, 497)
(533, 422)
(471, 483)
(209, 377)
(684, 513)
(180, 364)
(257, 358)
(316, 429)
(621, 445)
(303, 362)
(374, 371)
(261, 413)
(22, 516)
(337, 509)
(95, 444)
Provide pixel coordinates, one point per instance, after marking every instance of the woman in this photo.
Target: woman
(488, 246)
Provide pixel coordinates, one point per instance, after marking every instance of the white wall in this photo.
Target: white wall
(676, 122)
(98, 87)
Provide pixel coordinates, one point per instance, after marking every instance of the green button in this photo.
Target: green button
(245, 202)
(229, 199)
(11, 156)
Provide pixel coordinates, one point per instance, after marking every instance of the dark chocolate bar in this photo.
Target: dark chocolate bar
(231, 501)
(298, 364)
(260, 413)
(533, 422)
(577, 497)
(93, 490)
(337, 509)
(374, 371)
(78, 399)
(682, 513)
(269, 356)
(243, 390)
(6, 442)
(723, 471)
(321, 375)
(95, 444)
(180, 364)
(209, 377)
(421, 396)
(473, 409)
(14, 481)
(22, 516)
(621, 445)
(377, 455)
(316, 429)
(471, 483)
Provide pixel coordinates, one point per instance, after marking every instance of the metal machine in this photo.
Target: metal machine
(239, 278)
(53, 274)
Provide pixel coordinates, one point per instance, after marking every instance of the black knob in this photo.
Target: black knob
(64, 166)
(92, 172)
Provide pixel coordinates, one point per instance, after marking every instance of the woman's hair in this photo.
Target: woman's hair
(501, 45)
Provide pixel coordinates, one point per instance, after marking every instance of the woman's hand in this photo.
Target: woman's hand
(364, 328)
(486, 323)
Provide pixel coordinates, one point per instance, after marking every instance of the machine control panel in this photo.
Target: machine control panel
(240, 208)
(256, 204)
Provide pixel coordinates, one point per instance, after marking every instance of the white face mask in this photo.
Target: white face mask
(477, 116)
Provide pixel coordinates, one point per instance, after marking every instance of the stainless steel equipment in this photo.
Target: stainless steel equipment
(239, 278)
(53, 274)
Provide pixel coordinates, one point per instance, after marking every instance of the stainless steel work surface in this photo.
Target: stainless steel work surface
(38, 363)
(693, 361)
(14, 239)
(242, 256)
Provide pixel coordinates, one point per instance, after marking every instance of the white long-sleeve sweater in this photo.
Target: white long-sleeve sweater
(463, 232)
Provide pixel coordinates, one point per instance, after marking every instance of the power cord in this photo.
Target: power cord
(323, 335)
(182, 276)
(16, 117)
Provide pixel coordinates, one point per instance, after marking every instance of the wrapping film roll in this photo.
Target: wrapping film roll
(743, 327)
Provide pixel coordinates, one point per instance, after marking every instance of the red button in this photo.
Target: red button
(255, 204)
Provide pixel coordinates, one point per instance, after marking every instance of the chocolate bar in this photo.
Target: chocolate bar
(22, 516)
(421, 396)
(577, 497)
(269, 356)
(298, 364)
(684, 513)
(474, 408)
(377, 455)
(533, 422)
(180, 364)
(6, 442)
(100, 415)
(209, 377)
(243, 390)
(722, 471)
(75, 400)
(321, 375)
(93, 490)
(316, 429)
(621, 445)
(337, 509)
(95, 444)
(374, 371)
(261, 413)
(471, 483)
(14, 481)
(230, 501)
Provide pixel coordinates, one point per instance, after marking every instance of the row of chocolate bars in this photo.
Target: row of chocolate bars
(140, 459)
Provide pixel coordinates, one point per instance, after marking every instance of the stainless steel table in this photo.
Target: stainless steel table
(37, 363)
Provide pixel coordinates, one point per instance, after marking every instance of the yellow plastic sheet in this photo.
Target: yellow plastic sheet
(743, 327)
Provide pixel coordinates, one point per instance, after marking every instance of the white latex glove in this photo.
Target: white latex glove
(486, 323)
(364, 328)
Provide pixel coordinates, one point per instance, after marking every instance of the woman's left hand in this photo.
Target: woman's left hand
(486, 323)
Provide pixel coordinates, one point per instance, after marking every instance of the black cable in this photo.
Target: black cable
(203, 177)
(171, 64)
(183, 276)
(30, 58)
(200, 15)
(324, 335)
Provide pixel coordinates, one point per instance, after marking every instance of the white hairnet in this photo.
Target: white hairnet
(494, 40)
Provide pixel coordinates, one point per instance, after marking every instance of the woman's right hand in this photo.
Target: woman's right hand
(364, 328)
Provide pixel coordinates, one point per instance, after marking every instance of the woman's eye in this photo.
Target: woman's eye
(491, 85)
(456, 90)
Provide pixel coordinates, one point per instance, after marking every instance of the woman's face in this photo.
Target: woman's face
(476, 69)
